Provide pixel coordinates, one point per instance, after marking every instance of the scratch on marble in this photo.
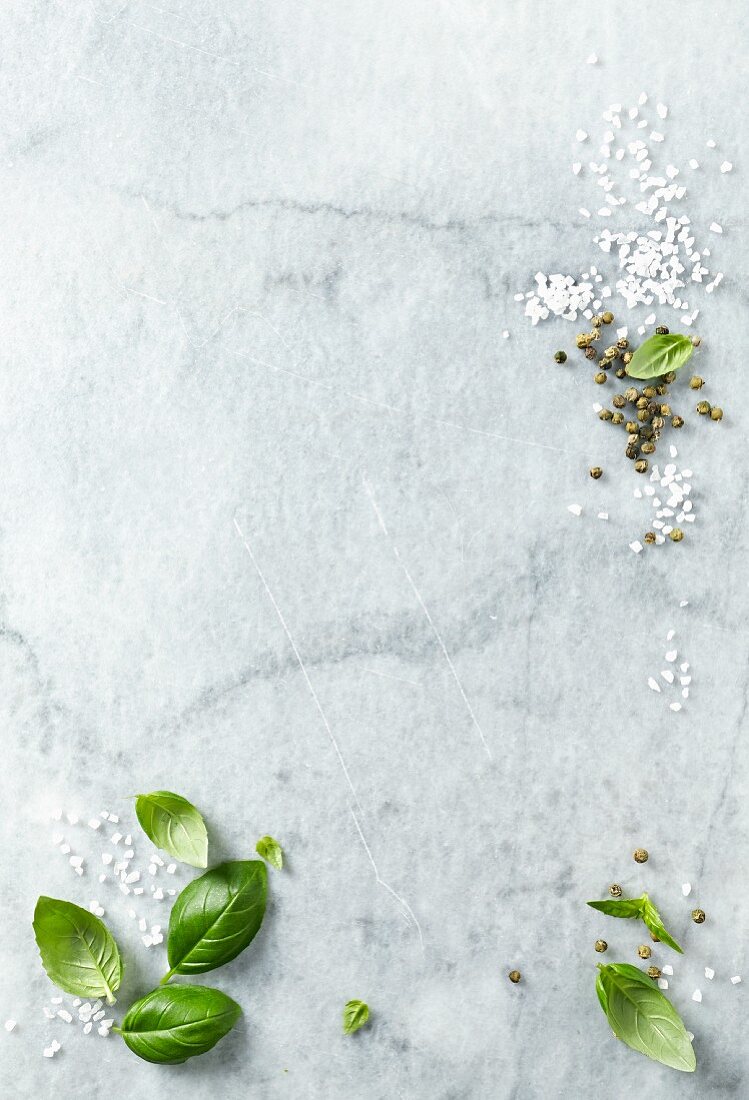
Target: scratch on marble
(425, 609)
(407, 910)
(177, 42)
(300, 662)
(388, 676)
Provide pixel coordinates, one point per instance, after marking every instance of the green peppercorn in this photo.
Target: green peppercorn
(631, 394)
(514, 976)
(617, 418)
(622, 343)
(618, 401)
(641, 465)
(648, 448)
(696, 341)
(661, 390)
(703, 407)
(597, 321)
(632, 427)
(654, 972)
(582, 340)
(661, 331)
(676, 534)
(560, 357)
(612, 352)
(658, 422)
(615, 889)
(641, 402)
(633, 438)
(607, 317)
(595, 472)
(653, 408)
(600, 378)
(646, 431)
(649, 392)
(665, 410)
(698, 916)
(605, 414)
(716, 413)
(601, 946)
(669, 376)
(677, 422)
(640, 855)
(620, 372)
(627, 358)
(643, 415)
(644, 951)
(696, 383)
(590, 353)
(595, 333)
(632, 451)
(649, 537)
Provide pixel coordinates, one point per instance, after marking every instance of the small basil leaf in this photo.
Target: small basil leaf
(271, 850)
(216, 916)
(643, 1018)
(660, 354)
(174, 825)
(619, 907)
(77, 950)
(178, 1022)
(652, 919)
(355, 1015)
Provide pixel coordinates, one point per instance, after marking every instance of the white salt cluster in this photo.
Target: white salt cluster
(675, 485)
(670, 680)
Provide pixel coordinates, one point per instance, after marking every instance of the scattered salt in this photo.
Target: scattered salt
(709, 973)
(576, 511)
(735, 979)
(653, 684)
(697, 996)
(10, 1025)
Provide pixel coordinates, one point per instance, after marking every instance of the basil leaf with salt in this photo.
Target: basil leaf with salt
(652, 919)
(660, 354)
(216, 916)
(178, 1022)
(355, 1015)
(174, 825)
(643, 1018)
(271, 850)
(77, 949)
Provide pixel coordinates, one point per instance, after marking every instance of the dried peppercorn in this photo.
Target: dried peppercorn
(641, 465)
(640, 855)
(698, 916)
(644, 951)
(661, 331)
(605, 414)
(514, 976)
(649, 537)
(615, 889)
(716, 413)
(595, 472)
(600, 378)
(654, 972)
(617, 418)
(703, 407)
(676, 534)
(696, 383)
(601, 946)
(618, 401)
(631, 394)
(648, 447)
(669, 376)
(607, 317)
(560, 357)
(620, 372)
(677, 422)
(590, 353)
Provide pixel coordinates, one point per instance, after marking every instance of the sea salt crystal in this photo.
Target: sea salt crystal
(671, 655)
(505, 334)
(653, 684)
(601, 515)
(9, 1025)
(643, 99)
(575, 509)
(710, 144)
(656, 136)
(87, 1028)
(726, 166)
(591, 59)
(576, 167)
(662, 983)
(709, 973)
(685, 681)
(715, 228)
(670, 635)
(672, 451)
(65, 1015)
(697, 996)
(668, 676)
(636, 547)
(668, 969)
(735, 979)
(675, 706)
(94, 823)
(581, 135)
(662, 110)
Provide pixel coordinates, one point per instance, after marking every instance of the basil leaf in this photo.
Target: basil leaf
(660, 354)
(216, 916)
(178, 1022)
(601, 993)
(619, 907)
(77, 950)
(355, 1015)
(652, 919)
(643, 1018)
(174, 825)
(271, 850)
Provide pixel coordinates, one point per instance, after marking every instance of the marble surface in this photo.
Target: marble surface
(283, 528)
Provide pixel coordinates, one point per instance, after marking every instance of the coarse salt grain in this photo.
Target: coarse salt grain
(697, 995)
(662, 110)
(10, 1025)
(675, 706)
(709, 973)
(670, 635)
(653, 684)
(581, 135)
(636, 547)
(662, 983)
(710, 144)
(671, 655)
(601, 515)
(668, 969)
(715, 228)
(686, 889)
(591, 59)
(667, 676)
(575, 509)
(735, 979)
(576, 167)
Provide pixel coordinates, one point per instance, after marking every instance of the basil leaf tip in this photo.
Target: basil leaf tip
(78, 951)
(271, 850)
(355, 1015)
(216, 917)
(642, 1017)
(660, 354)
(174, 825)
(178, 1022)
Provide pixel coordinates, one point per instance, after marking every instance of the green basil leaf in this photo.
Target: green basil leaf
(178, 1022)
(355, 1015)
(216, 916)
(174, 825)
(660, 354)
(601, 993)
(643, 1018)
(271, 850)
(619, 907)
(77, 950)
(652, 919)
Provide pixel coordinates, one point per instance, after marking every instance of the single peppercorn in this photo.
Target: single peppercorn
(607, 317)
(514, 976)
(698, 916)
(600, 378)
(669, 376)
(641, 465)
(631, 394)
(640, 855)
(618, 401)
(623, 343)
(646, 431)
(657, 423)
(632, 451)
(631, 426)
(644, 951)
(627, 358)
(641, 402)
(583, 340)
(560, 357)
(617, 418)
(597, 321)
(661, 390)
(595, 472)
(620, 372)
(590, 353)
(595, 332)
(654, 972)
(676, 534)
(654, 938)
(649, 391)
(648, 448)
(643, 415)
(665, 410)
(661, 331)
(615, 889)
(696, 341)
(677, 422)
(601, 946)
(716, 413)
(605, 414)
(653, 408)
(649, 537)
(612, 352)
(703, 407)
(696, 383)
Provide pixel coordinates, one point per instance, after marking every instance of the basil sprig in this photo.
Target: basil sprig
(174, 825)
(77, 950)
(178, 1022)
(355, 1015)
(216, 916)
(641, 908)
(642, 1017)
(660, 354)
(270, 849)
